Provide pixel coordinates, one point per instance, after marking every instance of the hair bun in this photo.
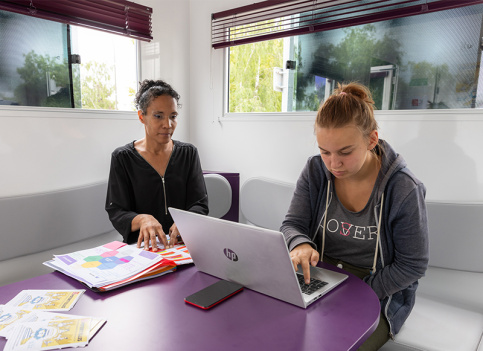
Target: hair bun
(358, 90)
(350, 103)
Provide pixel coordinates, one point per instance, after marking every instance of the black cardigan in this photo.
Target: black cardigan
(135, 187)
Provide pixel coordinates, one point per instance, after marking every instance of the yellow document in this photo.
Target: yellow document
(47, 300)
(50, 335)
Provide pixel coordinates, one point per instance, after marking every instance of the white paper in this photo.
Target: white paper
(50, 335)
(11, 317)
(51, 300)
(104, 265)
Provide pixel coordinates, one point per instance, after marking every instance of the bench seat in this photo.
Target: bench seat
(448, 314)
(29, 266)
(35, 227)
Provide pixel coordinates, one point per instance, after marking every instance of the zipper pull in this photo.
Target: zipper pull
(165, 201)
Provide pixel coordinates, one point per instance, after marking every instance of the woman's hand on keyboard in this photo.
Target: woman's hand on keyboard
(304, 255)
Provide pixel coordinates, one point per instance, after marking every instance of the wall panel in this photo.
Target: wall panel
(51, 149)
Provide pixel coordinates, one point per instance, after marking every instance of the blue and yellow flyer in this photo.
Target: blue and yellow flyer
(46, 300)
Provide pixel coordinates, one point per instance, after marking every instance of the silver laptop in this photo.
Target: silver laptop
(254, 257)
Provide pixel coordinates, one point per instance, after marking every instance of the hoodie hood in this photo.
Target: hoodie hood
(392, 162)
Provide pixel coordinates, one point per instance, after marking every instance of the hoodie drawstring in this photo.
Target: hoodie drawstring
(378, 236)
(325, 222)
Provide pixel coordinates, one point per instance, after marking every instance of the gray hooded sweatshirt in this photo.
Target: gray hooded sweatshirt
(403, 253)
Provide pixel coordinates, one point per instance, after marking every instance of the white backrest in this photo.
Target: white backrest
(39, 222)
(264, 202)
(219, 194)
(455, 236)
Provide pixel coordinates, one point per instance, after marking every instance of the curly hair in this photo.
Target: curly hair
(151, 89)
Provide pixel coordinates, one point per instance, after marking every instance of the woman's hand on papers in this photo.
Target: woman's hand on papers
(149, 229)
(304, 255)
(173, 235)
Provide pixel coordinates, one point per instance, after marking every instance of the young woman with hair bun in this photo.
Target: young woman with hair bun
(357, 206)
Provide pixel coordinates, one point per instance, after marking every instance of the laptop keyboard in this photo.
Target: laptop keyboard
(312, 287)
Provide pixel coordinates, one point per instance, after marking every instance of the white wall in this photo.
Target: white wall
(50, 149)
(443, 148)
(167, 56)
(46, 149)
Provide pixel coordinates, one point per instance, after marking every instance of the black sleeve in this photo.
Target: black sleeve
(196, 195)
(119, 199)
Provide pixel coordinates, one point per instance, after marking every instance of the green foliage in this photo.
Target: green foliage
(251, 77)
(426, 74)
(36, 69)
(349, 60)
(96, 88)
(357, 51)
(424, 70)
(76, 84)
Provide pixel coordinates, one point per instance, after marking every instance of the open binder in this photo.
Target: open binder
(117, 264)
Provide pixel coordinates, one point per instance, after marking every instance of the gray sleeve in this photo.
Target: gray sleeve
(298, 221)
(408, 229)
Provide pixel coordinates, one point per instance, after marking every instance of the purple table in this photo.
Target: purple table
(152, 315)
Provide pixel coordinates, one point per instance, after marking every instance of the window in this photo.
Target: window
(39, 65)
(33, 62)
(429, 61)
(107, 75)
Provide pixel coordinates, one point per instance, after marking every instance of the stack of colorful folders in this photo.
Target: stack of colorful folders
(112, 265)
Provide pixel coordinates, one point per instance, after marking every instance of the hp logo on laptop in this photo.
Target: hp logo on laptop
(231, 255)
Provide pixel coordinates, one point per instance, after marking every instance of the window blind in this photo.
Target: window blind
(274, 19)
(116, 16)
